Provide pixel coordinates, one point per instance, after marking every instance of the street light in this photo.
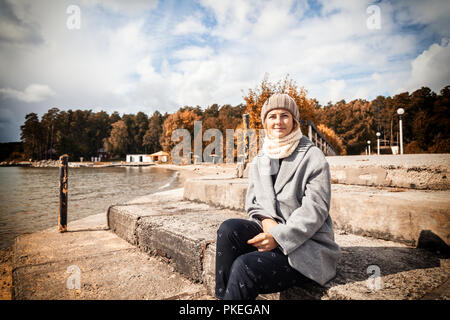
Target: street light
(368, 142)
(378, 142)
(401, 111)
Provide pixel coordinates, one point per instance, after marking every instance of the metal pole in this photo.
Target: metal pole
(246, 119)
(378, 146)
(401, 136)
(63, 192)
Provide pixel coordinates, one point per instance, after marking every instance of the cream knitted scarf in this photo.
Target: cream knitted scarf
(276, 148)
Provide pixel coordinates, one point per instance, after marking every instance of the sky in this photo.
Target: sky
(135, 55)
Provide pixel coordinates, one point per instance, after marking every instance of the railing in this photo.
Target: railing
(320, 141)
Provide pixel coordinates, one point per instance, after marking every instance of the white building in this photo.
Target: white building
(139, 158)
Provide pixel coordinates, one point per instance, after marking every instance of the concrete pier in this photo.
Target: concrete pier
(162, 246)
(187, 236)
(109, 268)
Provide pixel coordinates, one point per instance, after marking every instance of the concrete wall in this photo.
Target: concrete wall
(401, 215)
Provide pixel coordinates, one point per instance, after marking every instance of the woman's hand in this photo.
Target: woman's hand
(268, 223)
(263, 241)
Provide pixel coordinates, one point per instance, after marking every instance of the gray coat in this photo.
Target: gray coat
(300, 202)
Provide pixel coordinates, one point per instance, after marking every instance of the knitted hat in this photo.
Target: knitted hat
(280, 101)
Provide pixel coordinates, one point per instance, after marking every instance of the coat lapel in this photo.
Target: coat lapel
(290, 164)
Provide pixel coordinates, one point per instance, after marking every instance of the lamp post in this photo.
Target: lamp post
(378, 142)
(401, 111)
(368, 142)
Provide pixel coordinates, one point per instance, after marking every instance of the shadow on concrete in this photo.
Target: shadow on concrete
(357, 264)
(431, 241)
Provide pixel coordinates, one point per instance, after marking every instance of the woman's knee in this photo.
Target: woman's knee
(229, 226)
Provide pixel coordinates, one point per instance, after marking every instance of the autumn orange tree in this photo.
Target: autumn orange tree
(333, 139)
(182, 119)
(256, 97)
(118, 141)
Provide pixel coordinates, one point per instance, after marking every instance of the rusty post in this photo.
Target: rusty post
(246, 124)
(63, 192)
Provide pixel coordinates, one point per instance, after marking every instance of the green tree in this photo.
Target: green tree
(48, 123)
(32, 137)
(141, 124)
(152, 135)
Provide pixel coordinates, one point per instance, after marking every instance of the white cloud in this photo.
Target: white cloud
(193, 53)
(335, 89)
(32, 93)
(129, 7)
(430, 68)
(140, 55)
(190, 25)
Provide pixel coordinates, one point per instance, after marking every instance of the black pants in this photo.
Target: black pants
(242, 272)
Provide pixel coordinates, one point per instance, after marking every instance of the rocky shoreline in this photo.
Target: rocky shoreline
(55, 164)
(186, 171)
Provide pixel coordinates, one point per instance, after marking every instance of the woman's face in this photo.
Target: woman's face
(279, 123)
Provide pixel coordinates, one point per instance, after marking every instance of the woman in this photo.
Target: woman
(289, 235)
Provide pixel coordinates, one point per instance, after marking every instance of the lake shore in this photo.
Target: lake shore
(191, 170)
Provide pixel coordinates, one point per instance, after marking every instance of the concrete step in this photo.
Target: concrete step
(184, 232)
(108, 268)
(164, 224)
(413, 217)
(413, 171)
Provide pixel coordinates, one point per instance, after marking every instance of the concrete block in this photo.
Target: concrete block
(122, 223)
(227, 193)
(373, 269)
(166, 225)
(209, 269)
(414, 171)
(403, 215)
(182, 238)
(392, 214)
(122, 218)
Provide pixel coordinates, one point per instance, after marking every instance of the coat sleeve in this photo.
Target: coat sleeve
(306, 220)
(253, 208)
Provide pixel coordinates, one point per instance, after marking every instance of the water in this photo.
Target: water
(29, 197)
